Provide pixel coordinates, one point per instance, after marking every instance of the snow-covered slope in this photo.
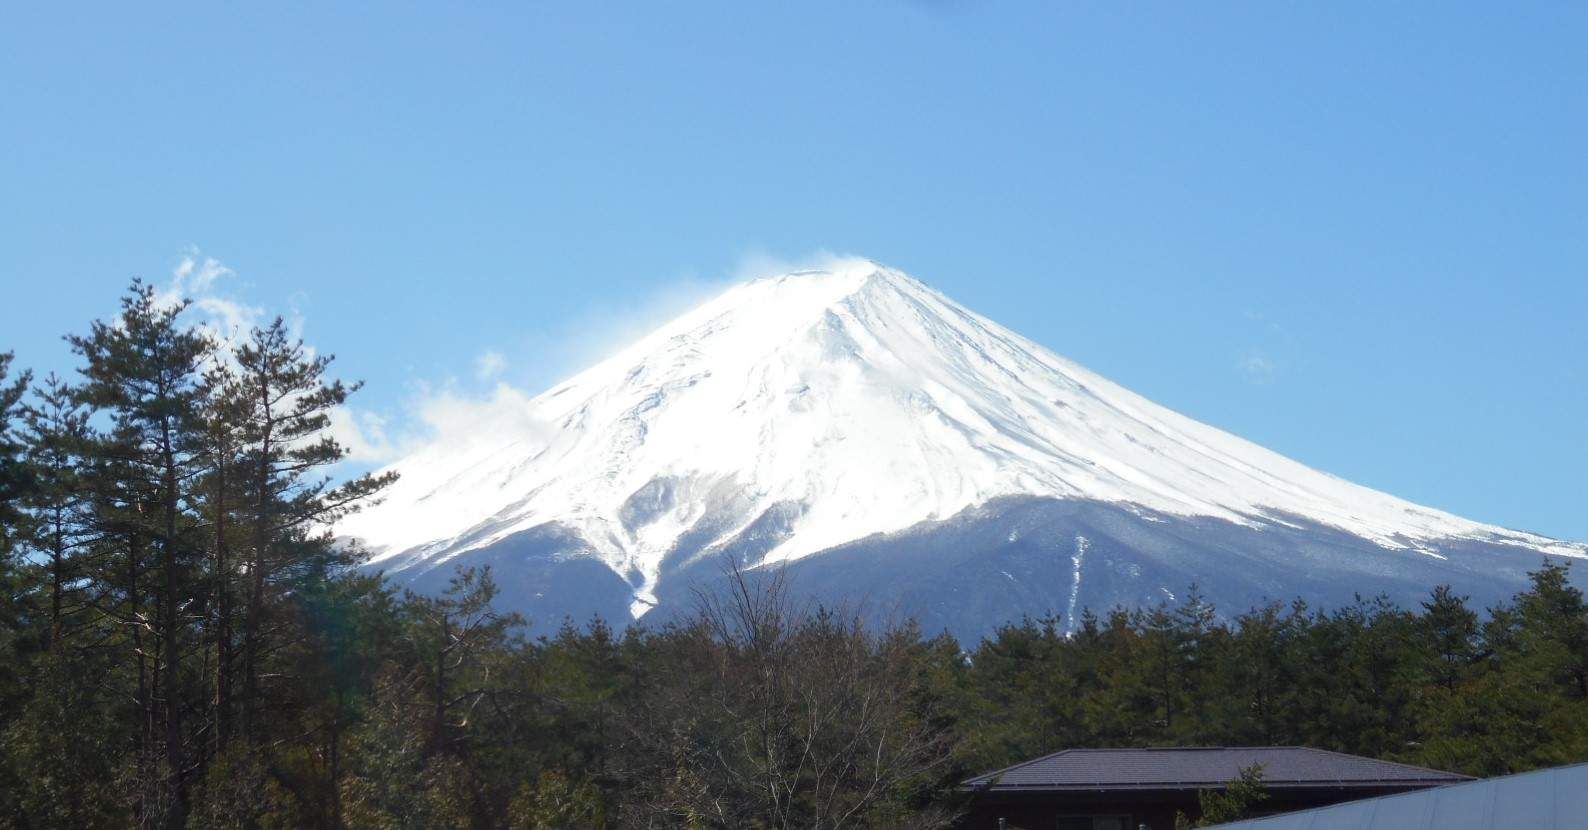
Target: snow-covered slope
(843, 403)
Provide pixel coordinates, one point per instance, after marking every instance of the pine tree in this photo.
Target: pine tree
(1125, 707)
(120, 570)
(1198, 638)
(1519, 704)
(222, 500)
(1449, 633)
(13, 479)
(144, 371)
(1163, 669)
(1552, 620)
(1256, 678)
(282, 400)
(57, 436)
(13, 486)
(418, 747)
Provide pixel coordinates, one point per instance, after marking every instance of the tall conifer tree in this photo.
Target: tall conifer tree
(57, 435)
(282, 401)
(144, 369)
(12, 477)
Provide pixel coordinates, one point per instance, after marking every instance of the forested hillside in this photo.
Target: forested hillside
(183, 644)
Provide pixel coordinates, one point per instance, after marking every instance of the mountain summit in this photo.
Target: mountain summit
(908, 451)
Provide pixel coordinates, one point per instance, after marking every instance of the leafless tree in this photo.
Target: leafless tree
(764, 712)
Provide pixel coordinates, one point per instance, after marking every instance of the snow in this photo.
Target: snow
(874, 402)
(1070, 620)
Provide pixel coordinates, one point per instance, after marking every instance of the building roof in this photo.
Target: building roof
(1201, 767)
(1546, 799)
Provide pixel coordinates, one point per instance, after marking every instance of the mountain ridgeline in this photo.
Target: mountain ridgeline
(894, 451)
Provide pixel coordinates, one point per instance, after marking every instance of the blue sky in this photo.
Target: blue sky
(1354, 233)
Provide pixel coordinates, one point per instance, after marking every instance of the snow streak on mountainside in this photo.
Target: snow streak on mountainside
(819, 408)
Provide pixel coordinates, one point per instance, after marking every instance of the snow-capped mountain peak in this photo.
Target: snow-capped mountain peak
(821, 407)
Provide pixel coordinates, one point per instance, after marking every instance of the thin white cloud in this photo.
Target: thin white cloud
(1271, 343)
(363, 434)
(596, 333)
(758, 264)
(462, 419)
(489, 365)
(446, 420)
(1267, 326)
(1258, 367)
(600, 331)
(442, 422)
(200, 280)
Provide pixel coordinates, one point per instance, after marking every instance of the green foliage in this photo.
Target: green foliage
(554, 802)
(1232, 803)
(66, 762)
(14, 476)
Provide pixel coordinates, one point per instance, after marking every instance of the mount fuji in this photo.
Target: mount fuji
(894, 450)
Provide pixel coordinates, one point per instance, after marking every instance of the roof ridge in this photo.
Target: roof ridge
(1394, 763)
(1209, 748)
(999, 772)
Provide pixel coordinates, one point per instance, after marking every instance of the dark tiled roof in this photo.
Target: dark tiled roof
(1196, 767)
(1546, 799)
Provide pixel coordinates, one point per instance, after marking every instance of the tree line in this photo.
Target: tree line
(184, 644)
